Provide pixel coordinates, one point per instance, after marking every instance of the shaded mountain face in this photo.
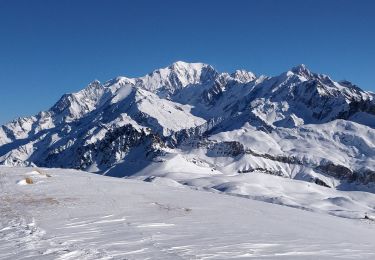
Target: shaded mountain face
(298, 124)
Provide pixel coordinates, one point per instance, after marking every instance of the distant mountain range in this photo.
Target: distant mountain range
(188, 116)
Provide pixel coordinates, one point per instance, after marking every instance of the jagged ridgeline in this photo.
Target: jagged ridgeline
(299, 124)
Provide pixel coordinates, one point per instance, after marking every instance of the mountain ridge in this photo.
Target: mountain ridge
(190, 109)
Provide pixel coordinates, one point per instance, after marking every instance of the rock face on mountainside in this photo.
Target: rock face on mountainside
(299, 124)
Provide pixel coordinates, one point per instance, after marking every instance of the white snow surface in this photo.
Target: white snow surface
(78, 215)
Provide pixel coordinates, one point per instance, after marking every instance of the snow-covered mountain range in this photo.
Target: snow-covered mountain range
(189, 122)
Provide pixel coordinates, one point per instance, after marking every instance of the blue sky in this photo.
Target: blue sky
(48, 48)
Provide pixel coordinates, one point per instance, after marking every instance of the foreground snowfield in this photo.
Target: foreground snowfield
(76, 215)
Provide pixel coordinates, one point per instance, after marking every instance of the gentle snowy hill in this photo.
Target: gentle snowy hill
(67, 214)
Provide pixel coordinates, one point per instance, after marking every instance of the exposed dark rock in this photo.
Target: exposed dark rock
(358, 106)
(321, 183)
(232, 149)
(337, 171)
(364, 176)
(116, 145)
(279, 158)
(263, 170)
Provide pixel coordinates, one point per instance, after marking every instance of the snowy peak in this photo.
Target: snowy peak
(300, 67)
(243, 76)
(186, 66)
(300, 96)
(193, 73)
(73, 106)
(302, 70)
(167, 81)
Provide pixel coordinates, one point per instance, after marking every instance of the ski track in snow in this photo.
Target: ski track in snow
(75, 215)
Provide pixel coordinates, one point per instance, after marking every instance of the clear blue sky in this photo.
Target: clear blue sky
(52, 47)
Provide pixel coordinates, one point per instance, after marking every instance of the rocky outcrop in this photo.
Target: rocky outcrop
(364, 176)
(320, 182)
(264, 170)
(231, 149)
(116, 145)
(278, 158)
(337, 171)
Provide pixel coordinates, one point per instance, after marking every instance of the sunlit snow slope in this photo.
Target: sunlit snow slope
(67, 214)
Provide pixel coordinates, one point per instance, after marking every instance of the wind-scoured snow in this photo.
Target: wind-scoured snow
(78, 215)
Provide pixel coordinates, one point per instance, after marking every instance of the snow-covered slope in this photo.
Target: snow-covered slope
(298, 125)
(67, 214)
